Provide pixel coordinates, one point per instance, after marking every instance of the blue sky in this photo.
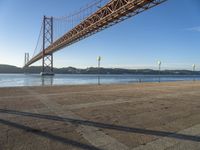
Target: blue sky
(169, 32)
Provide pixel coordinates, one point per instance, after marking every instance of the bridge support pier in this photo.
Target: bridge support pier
(47, 65)
(47, 59)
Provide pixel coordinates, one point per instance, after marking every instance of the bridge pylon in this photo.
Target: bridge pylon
(47, 59)
(26, 58)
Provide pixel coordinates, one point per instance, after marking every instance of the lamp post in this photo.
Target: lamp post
(99, 64)
(193, 69)
(159, 69)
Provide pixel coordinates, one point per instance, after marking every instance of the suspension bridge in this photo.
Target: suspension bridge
(59, 32)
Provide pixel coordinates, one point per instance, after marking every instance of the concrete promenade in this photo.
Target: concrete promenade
(145, 116)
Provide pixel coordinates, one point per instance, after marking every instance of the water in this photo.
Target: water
(15, 80)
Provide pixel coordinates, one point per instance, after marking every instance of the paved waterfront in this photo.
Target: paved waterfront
(149, 116)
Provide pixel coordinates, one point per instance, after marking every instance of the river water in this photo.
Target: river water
(15, 80)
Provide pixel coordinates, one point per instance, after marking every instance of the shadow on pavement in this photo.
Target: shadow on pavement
(48, 135)
(105, 126)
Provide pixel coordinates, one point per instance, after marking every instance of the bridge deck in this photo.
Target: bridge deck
(112, 13)
(139, 116)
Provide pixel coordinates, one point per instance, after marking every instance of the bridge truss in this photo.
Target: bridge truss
(110, 14)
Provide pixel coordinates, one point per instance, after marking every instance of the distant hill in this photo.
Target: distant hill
(92, 70)
(10, 69)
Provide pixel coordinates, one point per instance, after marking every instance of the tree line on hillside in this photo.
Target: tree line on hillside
(92, 70)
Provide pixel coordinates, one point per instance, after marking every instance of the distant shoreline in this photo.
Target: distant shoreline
(8, 69)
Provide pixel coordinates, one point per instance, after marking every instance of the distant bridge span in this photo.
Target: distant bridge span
(112, 13)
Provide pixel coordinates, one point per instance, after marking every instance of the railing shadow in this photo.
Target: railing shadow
(48, 135)
(105, 126)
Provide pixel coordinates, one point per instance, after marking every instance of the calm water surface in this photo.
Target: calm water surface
(14, 80)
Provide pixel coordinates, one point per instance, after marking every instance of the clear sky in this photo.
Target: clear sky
(169, 32)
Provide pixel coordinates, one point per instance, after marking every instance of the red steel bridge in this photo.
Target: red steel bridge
(59, 32)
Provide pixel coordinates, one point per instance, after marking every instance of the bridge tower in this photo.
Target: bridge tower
(47, 59)
(26, 58)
